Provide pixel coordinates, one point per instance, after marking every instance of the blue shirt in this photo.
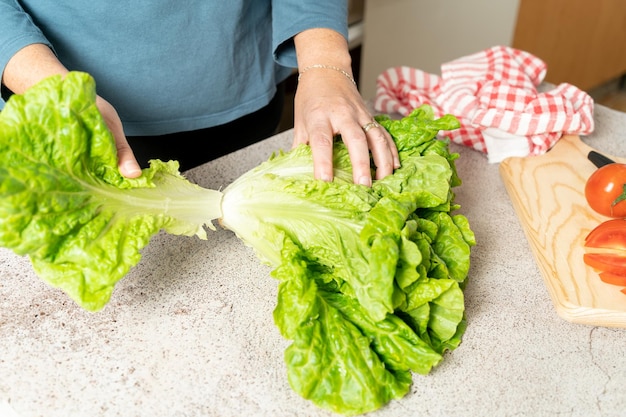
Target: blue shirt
(169, 66)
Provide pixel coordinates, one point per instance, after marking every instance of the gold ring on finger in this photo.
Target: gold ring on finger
(370, 125)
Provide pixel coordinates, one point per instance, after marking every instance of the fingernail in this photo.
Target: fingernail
(365, 181)
(326, 177)
(130, 169)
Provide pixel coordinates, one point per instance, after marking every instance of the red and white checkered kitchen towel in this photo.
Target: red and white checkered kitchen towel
(494, 95)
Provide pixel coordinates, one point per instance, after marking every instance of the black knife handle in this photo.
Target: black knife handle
(598, 159)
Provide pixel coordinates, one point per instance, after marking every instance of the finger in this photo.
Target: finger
(392, 147)
(382, 148)
(299, 135)
(321, 143)
(356, 141)
(394, 151)
(127, 163)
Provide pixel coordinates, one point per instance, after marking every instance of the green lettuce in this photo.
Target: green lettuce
(370, 278)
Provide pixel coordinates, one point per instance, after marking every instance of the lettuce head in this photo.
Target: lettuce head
(370, 278)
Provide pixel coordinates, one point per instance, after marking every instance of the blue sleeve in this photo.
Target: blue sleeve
(17, 30)
(291, 17)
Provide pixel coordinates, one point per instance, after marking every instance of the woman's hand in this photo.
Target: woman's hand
(328, 103)
(35, 62)
(126, 159)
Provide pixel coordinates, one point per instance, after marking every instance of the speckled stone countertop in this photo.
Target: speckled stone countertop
(189, 332)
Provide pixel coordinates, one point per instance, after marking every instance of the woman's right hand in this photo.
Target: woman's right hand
(35, 62)
(127, 163)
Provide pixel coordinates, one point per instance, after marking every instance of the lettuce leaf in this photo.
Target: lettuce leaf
(371, 278)
(64, 203)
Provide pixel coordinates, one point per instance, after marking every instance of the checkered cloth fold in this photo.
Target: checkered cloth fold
(494, 95)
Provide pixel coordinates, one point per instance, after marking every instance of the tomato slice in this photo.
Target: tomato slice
(606, 262)
(613, 279)
(606, 251)
(610, 234)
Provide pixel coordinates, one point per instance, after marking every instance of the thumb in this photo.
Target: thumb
(127, 162)
(126, 159)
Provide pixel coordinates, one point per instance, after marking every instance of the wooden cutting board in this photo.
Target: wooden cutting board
(547, 192)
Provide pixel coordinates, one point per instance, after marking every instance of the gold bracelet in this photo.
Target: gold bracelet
(332, 67)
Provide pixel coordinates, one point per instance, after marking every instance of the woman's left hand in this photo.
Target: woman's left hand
(328, 103)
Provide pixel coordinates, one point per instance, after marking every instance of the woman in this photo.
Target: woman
(191, 81)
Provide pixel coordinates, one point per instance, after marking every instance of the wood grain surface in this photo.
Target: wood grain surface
(547, 193)
(586, 56)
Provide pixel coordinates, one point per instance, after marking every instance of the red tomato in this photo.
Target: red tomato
(606, 251)
(605, 187)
